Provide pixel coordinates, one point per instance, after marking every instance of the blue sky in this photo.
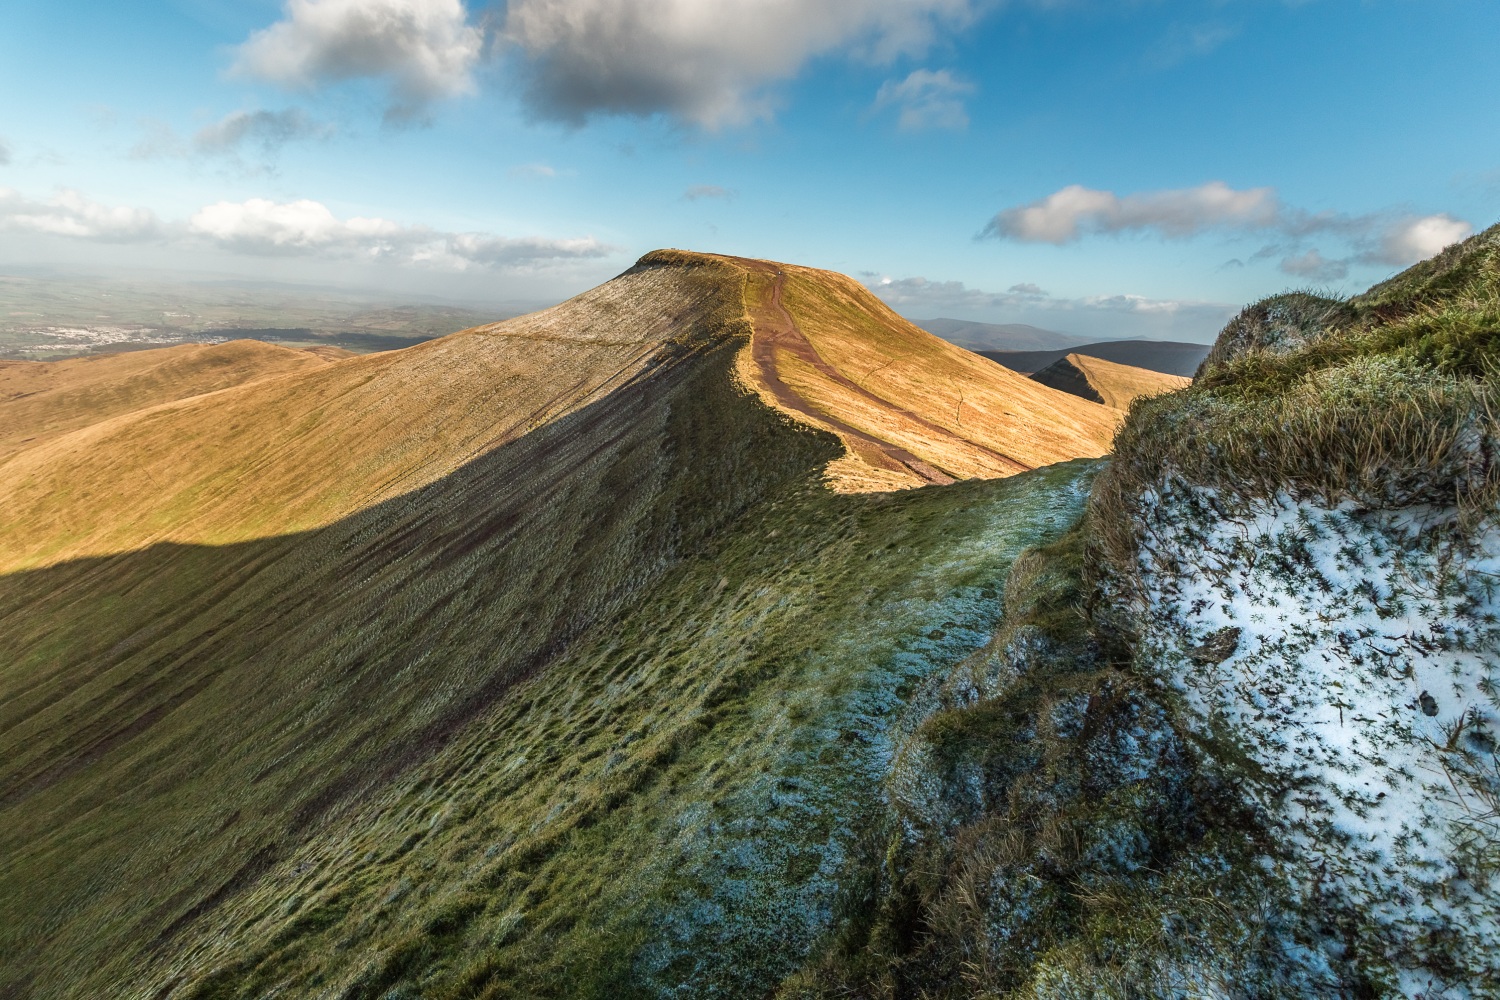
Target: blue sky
(1135, 168)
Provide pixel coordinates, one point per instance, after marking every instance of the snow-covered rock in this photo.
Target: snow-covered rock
(1358, 705)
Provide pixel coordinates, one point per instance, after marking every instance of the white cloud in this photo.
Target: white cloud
(699, 62)
(269, 130)
(501, 252)
(425, 49)
(1068, 214)
(267, 227)
(927, 99)
(1417, 238)
(1315, 267)
(69, 213)
(701, 191)
(305, 227)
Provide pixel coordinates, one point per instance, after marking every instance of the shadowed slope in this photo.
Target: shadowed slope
(40, 400)
(175, 720)
(1100, 381)
(295, 453)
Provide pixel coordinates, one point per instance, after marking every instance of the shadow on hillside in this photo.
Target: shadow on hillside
(174, 720)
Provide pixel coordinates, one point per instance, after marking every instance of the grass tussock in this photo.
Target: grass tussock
(1386, 400)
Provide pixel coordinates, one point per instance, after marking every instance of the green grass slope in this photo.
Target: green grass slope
(581, 684)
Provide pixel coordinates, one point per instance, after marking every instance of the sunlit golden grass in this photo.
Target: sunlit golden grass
(234, 465)
(958, 412)
(42, 400)
(1120, 385)
(299, 451)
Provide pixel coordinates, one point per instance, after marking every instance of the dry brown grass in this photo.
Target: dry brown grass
(153, 455)
(41, 400)
(956, 412)
(301, 450)
(1120, 385)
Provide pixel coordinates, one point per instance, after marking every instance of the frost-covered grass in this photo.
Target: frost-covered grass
(1390, 402)
(677, 806)
(1053, 834)
(1362, 703)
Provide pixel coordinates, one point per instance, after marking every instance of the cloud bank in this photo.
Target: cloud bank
(1067, 215)
(1393, 239)
(69, 213)
(707, 64)
(424, 49)
(265, 228)
(703, 63)
(1102, 316)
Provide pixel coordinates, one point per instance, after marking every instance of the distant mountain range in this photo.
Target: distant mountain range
(998, 336)
(1170, 357)
(1028, 349)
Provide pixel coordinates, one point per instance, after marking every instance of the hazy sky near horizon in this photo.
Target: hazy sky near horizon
(1132, 168)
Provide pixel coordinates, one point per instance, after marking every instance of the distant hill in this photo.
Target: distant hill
(1169, 357)
(41, 400)
(1106, 382)
(998, 336)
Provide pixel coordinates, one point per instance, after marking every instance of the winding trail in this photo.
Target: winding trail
(775, 331)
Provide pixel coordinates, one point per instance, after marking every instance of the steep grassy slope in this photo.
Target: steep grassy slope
(237, 465)
(537, 660)
(41, 401)
(909, 407)
(216, 469)
(1100, 381)
(1236, 735)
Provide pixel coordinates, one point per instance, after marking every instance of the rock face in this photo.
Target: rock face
(1277, 325)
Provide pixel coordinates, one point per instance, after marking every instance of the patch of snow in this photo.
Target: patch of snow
(1364, 689)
